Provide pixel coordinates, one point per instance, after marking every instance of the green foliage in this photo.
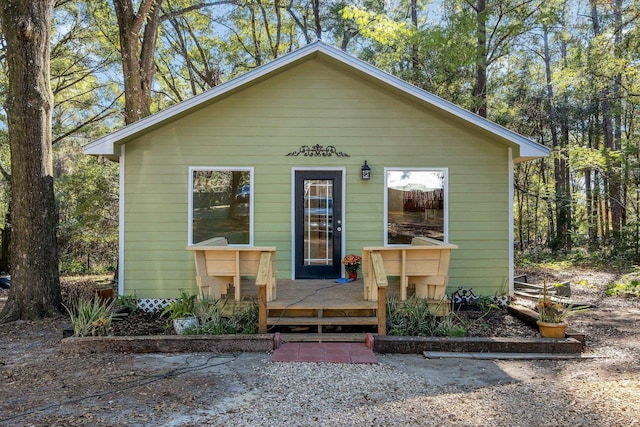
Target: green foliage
(212, 319)
(448, 327)
(129, 302)
(182, 307)
(413, 318)
(541, 257)
(628, 286)
(87, 200)
(90, 317)
(624, 289)
(556, 312)
(488, 303)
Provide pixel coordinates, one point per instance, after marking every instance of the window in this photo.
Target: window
(416, 204)
(221, 205)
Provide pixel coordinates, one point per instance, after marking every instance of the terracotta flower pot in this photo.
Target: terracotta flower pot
(552, 330)
(353, 275)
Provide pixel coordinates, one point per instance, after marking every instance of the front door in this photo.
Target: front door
(318, 224)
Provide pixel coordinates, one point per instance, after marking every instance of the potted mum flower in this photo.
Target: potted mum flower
(351, 265)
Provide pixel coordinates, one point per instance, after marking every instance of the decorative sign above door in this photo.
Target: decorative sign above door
(317, 151)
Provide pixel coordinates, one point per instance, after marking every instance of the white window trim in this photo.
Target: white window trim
(386, 200)
(193, 169)
(121, 218)
(511, 224)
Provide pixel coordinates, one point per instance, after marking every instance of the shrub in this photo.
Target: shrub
(182, 307)
(129, 302)
(630, 288)
(91, 317)
(212, 320)
(413, 318)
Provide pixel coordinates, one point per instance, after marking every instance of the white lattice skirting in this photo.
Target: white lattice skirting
(149, 305)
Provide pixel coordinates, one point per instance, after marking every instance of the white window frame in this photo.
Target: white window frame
(386, 199)
(193, 169)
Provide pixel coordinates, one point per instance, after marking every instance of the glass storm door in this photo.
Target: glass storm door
(318, 224)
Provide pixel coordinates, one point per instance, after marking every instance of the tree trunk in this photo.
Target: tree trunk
(546, 198)
(415, 60)
(35, 284)
(316, 18)
(5, 265)
(562, 238)
(618, 205)
(480, 86)
(138, 65)
(610, 117)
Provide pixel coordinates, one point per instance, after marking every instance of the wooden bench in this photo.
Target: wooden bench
(219, 265)
(425, 263)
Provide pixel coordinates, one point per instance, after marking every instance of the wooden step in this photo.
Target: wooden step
(310, 321)
(325, 337)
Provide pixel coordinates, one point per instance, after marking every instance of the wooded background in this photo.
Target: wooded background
(564, 73)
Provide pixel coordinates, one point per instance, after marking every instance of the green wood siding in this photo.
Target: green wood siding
(312, 103)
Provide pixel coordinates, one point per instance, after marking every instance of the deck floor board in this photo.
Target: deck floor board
(315, 294)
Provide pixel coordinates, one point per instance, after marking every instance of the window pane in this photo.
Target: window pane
(221, 205)
(415, 205)
(318, 222)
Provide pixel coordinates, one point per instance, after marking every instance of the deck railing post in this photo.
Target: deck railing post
(382, 310)
(381, 282)
(262, 309)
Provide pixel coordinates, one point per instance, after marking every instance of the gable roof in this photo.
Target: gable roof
(109, 145)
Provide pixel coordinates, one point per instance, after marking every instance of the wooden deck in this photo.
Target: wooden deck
(318, 305)
(320, 293)
(321, 305)
(316, 293)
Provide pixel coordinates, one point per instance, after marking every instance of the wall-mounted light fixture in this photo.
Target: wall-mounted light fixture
(366, 171)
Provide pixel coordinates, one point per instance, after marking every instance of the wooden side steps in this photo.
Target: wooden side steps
(317, 317)
(327, 337)
(320, 321)
(327, 305)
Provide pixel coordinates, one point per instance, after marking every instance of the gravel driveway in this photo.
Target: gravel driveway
(39, 386)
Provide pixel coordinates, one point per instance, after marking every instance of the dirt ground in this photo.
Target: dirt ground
(39, 386)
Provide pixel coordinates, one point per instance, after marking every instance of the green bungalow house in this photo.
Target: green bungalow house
(317, 154)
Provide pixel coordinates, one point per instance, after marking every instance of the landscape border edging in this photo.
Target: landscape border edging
(418, 345)
(168, 344)
(265, 343)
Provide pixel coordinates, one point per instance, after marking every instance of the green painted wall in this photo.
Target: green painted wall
(313, 103)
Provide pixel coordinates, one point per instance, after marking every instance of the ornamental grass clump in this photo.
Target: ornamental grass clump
(414, 318)
(213, 320)
(91, 317)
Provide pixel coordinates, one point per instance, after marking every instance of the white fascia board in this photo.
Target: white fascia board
(100, 147)
(533, 151)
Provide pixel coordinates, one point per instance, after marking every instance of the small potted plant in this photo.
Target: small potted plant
(351, 265)
(553, 316)
(181, 313)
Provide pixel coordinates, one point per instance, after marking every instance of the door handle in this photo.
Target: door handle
(338, 228)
